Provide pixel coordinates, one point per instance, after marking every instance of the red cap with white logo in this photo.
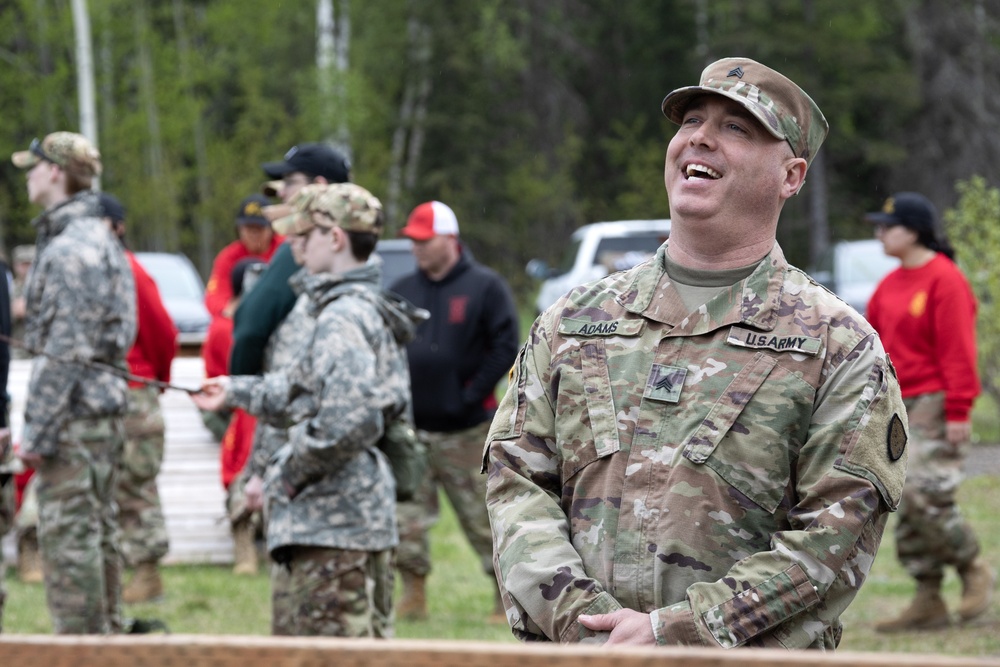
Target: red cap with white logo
(430, 219)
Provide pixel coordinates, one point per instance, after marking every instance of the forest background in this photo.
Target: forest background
(528, 117)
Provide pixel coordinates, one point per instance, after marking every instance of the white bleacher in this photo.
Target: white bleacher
(189, 482)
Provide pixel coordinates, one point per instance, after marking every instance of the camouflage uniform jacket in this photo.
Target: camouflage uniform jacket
(351, 376)
(80, 301)
(286, 343)
(728, 471)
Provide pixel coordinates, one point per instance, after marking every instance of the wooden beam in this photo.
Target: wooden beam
(237, 651)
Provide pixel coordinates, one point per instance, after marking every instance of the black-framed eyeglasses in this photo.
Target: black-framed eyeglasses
(36, 149)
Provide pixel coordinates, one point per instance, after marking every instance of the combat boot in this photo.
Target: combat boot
(413, 605)
(244, 549)
(927, 610)
(29, 560)
(978, 579)
(145, 585)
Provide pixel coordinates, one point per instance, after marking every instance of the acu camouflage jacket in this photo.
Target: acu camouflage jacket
(80, 300)
(351, 376)
(728, 471)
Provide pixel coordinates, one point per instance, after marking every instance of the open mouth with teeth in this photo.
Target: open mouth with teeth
(701, 171)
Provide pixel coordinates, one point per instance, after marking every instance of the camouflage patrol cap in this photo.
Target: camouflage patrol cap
(345, 205)
(784, 109)
(71, 151)
(285, 218)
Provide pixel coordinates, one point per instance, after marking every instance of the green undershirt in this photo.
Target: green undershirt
(699, 286)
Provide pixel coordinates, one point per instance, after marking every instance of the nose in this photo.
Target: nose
(702, 135)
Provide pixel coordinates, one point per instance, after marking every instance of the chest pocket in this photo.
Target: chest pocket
(753, 431)
(595, 407)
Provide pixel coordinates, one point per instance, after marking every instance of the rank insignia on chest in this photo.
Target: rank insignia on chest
(665, 383)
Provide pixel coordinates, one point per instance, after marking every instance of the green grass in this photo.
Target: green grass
(211, 600)
(207, 599)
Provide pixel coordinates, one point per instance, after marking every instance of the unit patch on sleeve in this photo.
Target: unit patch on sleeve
(896, 438)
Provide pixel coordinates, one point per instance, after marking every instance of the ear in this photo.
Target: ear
(795, 177)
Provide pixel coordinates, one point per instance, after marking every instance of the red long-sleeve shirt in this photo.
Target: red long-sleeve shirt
(927, 320)
(219, 290)
(156, 339)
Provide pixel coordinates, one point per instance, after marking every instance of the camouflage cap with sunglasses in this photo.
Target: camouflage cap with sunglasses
(345, 205)
(71, 151)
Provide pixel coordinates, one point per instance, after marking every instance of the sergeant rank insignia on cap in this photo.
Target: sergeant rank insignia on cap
(737, 72)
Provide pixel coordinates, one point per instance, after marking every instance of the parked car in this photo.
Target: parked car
(594, 251)
(182, 291)
(397, 259)
(852, 270)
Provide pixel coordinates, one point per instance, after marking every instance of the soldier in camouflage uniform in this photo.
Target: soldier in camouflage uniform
(330, 491)
(703, 449)
(80, 311)
(925, 312)
(144, 540)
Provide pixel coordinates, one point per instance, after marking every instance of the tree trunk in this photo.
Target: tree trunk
(164, 234)
(203, 223)
(333, 34)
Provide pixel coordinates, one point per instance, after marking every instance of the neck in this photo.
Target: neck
(708, 256)
(53, 200)
(916, 257)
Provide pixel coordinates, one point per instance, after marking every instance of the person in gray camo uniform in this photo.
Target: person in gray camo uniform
(703, 449)
(330, 492)
(81, 311)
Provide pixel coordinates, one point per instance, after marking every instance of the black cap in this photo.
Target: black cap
(252, 211)
(910, 209)
(315, 159)
(110, 207)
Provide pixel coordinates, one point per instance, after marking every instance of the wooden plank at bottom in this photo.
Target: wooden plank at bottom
(231, 651)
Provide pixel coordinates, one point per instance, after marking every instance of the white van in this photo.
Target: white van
(852, 270)
(594, 251)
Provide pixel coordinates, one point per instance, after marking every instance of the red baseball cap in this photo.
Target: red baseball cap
(430, 219)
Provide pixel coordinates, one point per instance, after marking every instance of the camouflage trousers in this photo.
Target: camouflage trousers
(333, 593)
(78, 527)
(931, 532)
(454, 461)
(143, 526)
(6, 521)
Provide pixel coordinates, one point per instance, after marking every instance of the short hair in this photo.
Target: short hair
(362, 244)
(76, 182)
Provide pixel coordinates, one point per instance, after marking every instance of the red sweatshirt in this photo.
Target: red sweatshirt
(927, 320)
(156, 339)
(219, 290)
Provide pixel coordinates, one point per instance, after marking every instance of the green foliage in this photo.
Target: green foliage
(539, 116)
(974, 229)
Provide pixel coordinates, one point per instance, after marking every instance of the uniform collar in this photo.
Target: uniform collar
(753, 301)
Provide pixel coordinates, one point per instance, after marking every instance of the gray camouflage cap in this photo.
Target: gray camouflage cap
(345, 205)
(784, 109)
(71, 151)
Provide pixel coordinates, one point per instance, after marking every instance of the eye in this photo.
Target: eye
(736, 127)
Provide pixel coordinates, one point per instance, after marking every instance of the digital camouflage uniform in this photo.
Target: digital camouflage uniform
(339, 528)
(80, 305)
(728, 471)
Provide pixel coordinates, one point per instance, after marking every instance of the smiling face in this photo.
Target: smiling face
(727, 176)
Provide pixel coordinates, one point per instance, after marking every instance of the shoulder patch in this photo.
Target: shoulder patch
(584, 327)
(763, 340)
(896, 438)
